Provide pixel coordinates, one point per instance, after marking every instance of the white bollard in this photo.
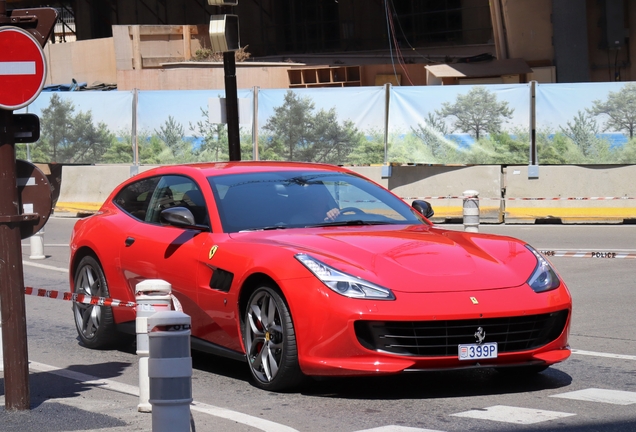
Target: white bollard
(170, 371)
(152, 295)
(471, 211)
(37, 245)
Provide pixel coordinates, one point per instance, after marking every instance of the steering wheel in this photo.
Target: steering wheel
(354, 210)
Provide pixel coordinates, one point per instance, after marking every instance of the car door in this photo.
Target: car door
(156, 251)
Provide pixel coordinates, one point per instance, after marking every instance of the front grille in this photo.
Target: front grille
(440, 338)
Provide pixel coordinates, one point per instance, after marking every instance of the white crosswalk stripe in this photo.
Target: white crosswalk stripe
(616, 397)
(516, 415)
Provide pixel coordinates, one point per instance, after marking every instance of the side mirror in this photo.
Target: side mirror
(424, 208)
(180, 217)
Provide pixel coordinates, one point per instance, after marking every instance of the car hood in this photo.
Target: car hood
(413, 258)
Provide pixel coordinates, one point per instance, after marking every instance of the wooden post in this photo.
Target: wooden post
(187, 49)
(136, 48)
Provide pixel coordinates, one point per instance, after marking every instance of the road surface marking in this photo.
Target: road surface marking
(508, 414)
(255, 422)
(44, 266)
(602, 354)
(616, 397)
(394, 428)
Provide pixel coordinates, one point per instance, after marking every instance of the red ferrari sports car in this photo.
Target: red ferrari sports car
(305, 269)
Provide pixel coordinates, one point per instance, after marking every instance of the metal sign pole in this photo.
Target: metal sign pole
(14, 334)
(231, 106)
(24, 33)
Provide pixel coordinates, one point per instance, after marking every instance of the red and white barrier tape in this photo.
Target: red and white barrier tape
(85, 299)
(525, 199)
(588, 254)
(570, 199)
(78, 298)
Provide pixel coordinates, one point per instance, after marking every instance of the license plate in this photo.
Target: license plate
(478, 352)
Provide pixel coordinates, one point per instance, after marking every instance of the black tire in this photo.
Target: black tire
(270, 341)
(95, 324)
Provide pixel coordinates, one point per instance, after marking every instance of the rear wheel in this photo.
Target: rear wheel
(270, 341)
(95, 324)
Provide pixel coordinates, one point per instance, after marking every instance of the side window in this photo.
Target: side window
(177, 191)
(135, 197)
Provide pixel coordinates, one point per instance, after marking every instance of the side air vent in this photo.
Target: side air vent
(221, 280)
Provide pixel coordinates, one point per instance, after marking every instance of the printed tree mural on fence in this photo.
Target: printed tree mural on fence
(620, 108)
(297, 134)
(580, 141)
(172, 134)
(583, 131)
(68, 137)
(433, 133)
(479, 114)
(214, 140)
(476, 112)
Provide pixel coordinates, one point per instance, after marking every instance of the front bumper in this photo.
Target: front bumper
(328, 344)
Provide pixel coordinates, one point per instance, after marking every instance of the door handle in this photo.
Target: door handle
(129, 241)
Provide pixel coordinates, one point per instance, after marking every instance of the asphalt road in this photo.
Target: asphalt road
(73, 388)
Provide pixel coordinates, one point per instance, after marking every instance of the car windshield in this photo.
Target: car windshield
(295, 199)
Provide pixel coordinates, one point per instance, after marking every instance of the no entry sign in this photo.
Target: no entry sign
(22, 68)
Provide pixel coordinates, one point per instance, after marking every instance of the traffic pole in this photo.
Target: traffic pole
(12, 307)
(231, 106)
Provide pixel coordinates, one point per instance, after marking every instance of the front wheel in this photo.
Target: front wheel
(270, 341)
(95, 324)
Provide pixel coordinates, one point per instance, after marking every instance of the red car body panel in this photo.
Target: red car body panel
(435, 274)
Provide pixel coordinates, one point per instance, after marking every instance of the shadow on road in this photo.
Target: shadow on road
(438, 384)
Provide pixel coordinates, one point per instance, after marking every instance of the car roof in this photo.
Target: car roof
(240, 167)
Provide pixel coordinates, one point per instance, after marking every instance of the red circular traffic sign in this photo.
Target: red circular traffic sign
(22, 68)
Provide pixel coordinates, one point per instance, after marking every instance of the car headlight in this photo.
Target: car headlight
(342, 283)
(543, 278)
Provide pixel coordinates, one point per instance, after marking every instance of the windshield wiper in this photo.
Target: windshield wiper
(348, 223)
(266, 228)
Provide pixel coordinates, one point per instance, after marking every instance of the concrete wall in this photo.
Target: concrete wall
(84, 188)
(435, 183)
(576, 183)
(566, 193)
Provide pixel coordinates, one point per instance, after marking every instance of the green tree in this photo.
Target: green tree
(627, 154)
(35, 153)
(291, 126)
(173, 135)
(295, 133)
(583, 131)
(152, 150)
(333, 142)
(369, 150)
(120, 151)
(620, 107)
(66, 137)
(214, 140)
(432, 134)
(477, 112)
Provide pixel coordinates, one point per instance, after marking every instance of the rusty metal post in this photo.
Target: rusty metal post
(14, 334)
